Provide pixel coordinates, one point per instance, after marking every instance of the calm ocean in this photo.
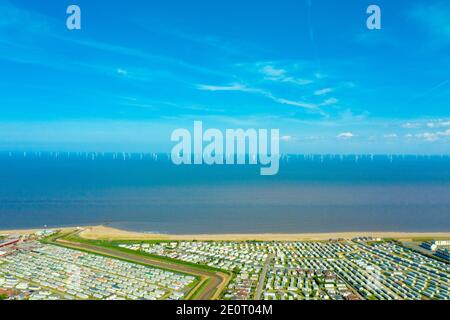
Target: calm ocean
(148, 193)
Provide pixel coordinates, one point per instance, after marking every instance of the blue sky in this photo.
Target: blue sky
(139, 69)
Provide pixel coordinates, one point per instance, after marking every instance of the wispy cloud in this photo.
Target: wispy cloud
(429, 136)
(431, 91)
(295, 103)
(231, 87)
(322, 91)
(122, 72)
(144, 55)
(438, 124)
(411, 125)
(435, 18)
(345, 135)
(273, 73)
(433, 136)
(203, 40)
(428, 123)
(36, 27)
(329, 102)
(265, 93)
(286, 138)
(28, 21)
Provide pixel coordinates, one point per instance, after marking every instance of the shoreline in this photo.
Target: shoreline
(101, 232)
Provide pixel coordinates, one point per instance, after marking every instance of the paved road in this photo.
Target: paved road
(218, 280)
(262, 277)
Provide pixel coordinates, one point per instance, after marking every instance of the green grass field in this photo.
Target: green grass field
(115, 246)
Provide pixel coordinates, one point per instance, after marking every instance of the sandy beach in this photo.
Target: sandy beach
(108, 233)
